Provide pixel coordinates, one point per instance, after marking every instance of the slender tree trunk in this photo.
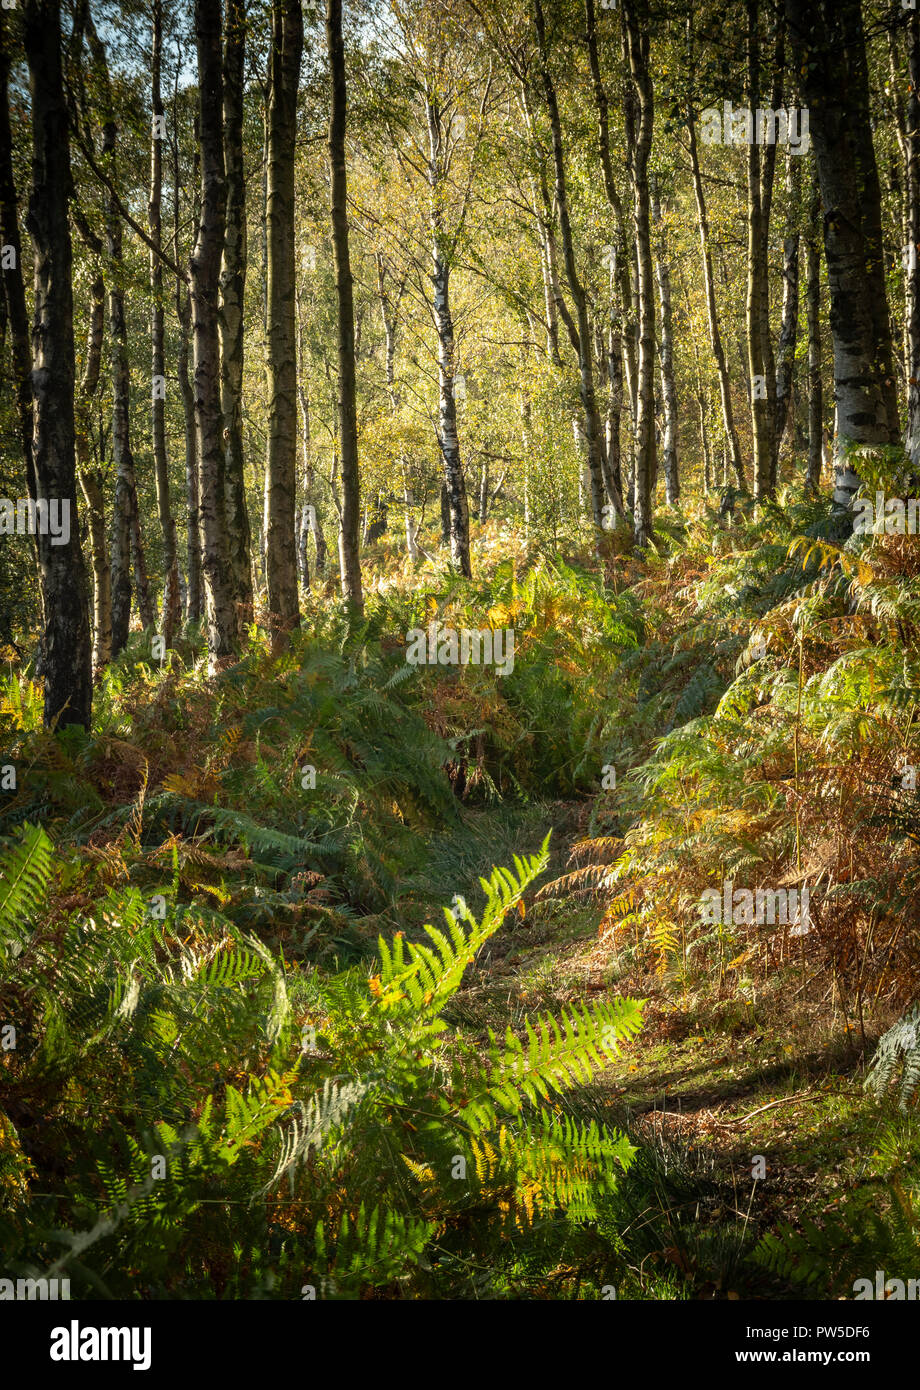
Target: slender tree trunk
(761, 165)
(454, 488)
(637, 41)
(582, 335)
(899, 186)
(701, 405)
(715, 336)
(627, 293)
(127, 544)
(813, 315)
(14, 293)
(701, 392)
(194, 608)
(912, 137)
(666, 363)
(789, 324)
(232, 289)
(311, 510)
(66, 646)
(549, 287)
(412, 528)
(309, 514)
(614, 356)
(445, 515)
(831, 59)
(349, 552)
(526, 445)
(483, 503)
(281, 459)
(204, 288)
(91, 482)
(13, 281)
(193, 594)
(171, 614)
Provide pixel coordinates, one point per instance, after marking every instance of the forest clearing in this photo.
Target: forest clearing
(460, 623)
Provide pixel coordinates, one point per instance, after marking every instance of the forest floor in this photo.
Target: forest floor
(717, 1092)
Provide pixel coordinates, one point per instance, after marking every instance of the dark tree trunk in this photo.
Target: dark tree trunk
(637, 42)
(761, 164)
(445, 515)
(232, 285)
(127, 545)
(453, 490)
(205, 285)
(813, 314)
(912, 306)
(349, 556)
(14, 292)
(67, 646)
(193, 595)
(789, 323)
(614, 356)
(830, 56)
(281, 459)
(13, 281)
(170, 612)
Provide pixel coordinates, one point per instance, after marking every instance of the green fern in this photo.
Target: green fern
(897, 1059)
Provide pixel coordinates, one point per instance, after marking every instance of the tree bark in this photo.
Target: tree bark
(627, 292)
(232, 289)
(127, 544)
(311, 516)
(637, 43)
(912, 305)
(614, 355)
(453, 494)
(281, 458)
(761, 166)
(14, 293)
(715, 336)
(830, 56)
(13, 281)
(193, 595)
(666, 360)
(349, 553)
(204, 288)
(170, 612)
(789, 323)
(66, 646)
(582, 335)
(813, 316)
(91, 482)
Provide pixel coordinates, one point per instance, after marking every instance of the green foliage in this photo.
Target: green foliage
(333, 1163)
(877, 1227)
(897, 1059)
